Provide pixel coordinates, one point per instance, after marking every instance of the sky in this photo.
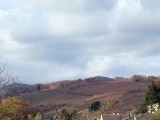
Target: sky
(44, 41)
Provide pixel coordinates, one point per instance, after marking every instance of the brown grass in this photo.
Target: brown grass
(130, 93)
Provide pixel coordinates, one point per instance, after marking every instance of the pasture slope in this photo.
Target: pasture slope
(80, 97)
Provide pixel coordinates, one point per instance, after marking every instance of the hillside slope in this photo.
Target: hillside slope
(79, 98)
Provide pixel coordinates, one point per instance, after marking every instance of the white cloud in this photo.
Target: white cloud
(41, 40)
(98, 65)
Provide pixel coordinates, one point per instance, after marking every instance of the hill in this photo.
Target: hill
(79, 94)
(75, 83)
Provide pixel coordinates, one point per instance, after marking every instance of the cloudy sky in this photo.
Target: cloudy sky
(51, 40)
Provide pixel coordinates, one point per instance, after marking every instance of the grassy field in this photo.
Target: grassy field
(130, 93)
(37, 97)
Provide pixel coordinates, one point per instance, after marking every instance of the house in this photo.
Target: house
(153, 108)
(113, 116)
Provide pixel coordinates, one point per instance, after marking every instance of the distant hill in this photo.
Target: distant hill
(103, 78)
(15, 85)
(98, 79)
(72, 84)
(79, 94)
(18, 88)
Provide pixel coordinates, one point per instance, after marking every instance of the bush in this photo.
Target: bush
(143, 107)
(15, 109)
(95, 106)
(151, 97)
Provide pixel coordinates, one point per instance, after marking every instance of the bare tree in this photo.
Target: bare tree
(111, 106)
(6, 80)
(138, 78)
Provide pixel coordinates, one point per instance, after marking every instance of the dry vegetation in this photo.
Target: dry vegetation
(79, 98)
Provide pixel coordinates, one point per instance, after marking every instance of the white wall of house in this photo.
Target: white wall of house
(101, 118)
(152, 109)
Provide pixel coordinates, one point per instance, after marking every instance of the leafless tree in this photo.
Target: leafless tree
(111, 106)
(6, 80)
(138, 78)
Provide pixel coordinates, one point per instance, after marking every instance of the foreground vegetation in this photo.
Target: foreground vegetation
(151, 97)
(13, 108)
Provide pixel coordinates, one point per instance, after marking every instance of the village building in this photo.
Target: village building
(153, 108)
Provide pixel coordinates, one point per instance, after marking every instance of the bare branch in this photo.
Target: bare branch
(6, 80)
